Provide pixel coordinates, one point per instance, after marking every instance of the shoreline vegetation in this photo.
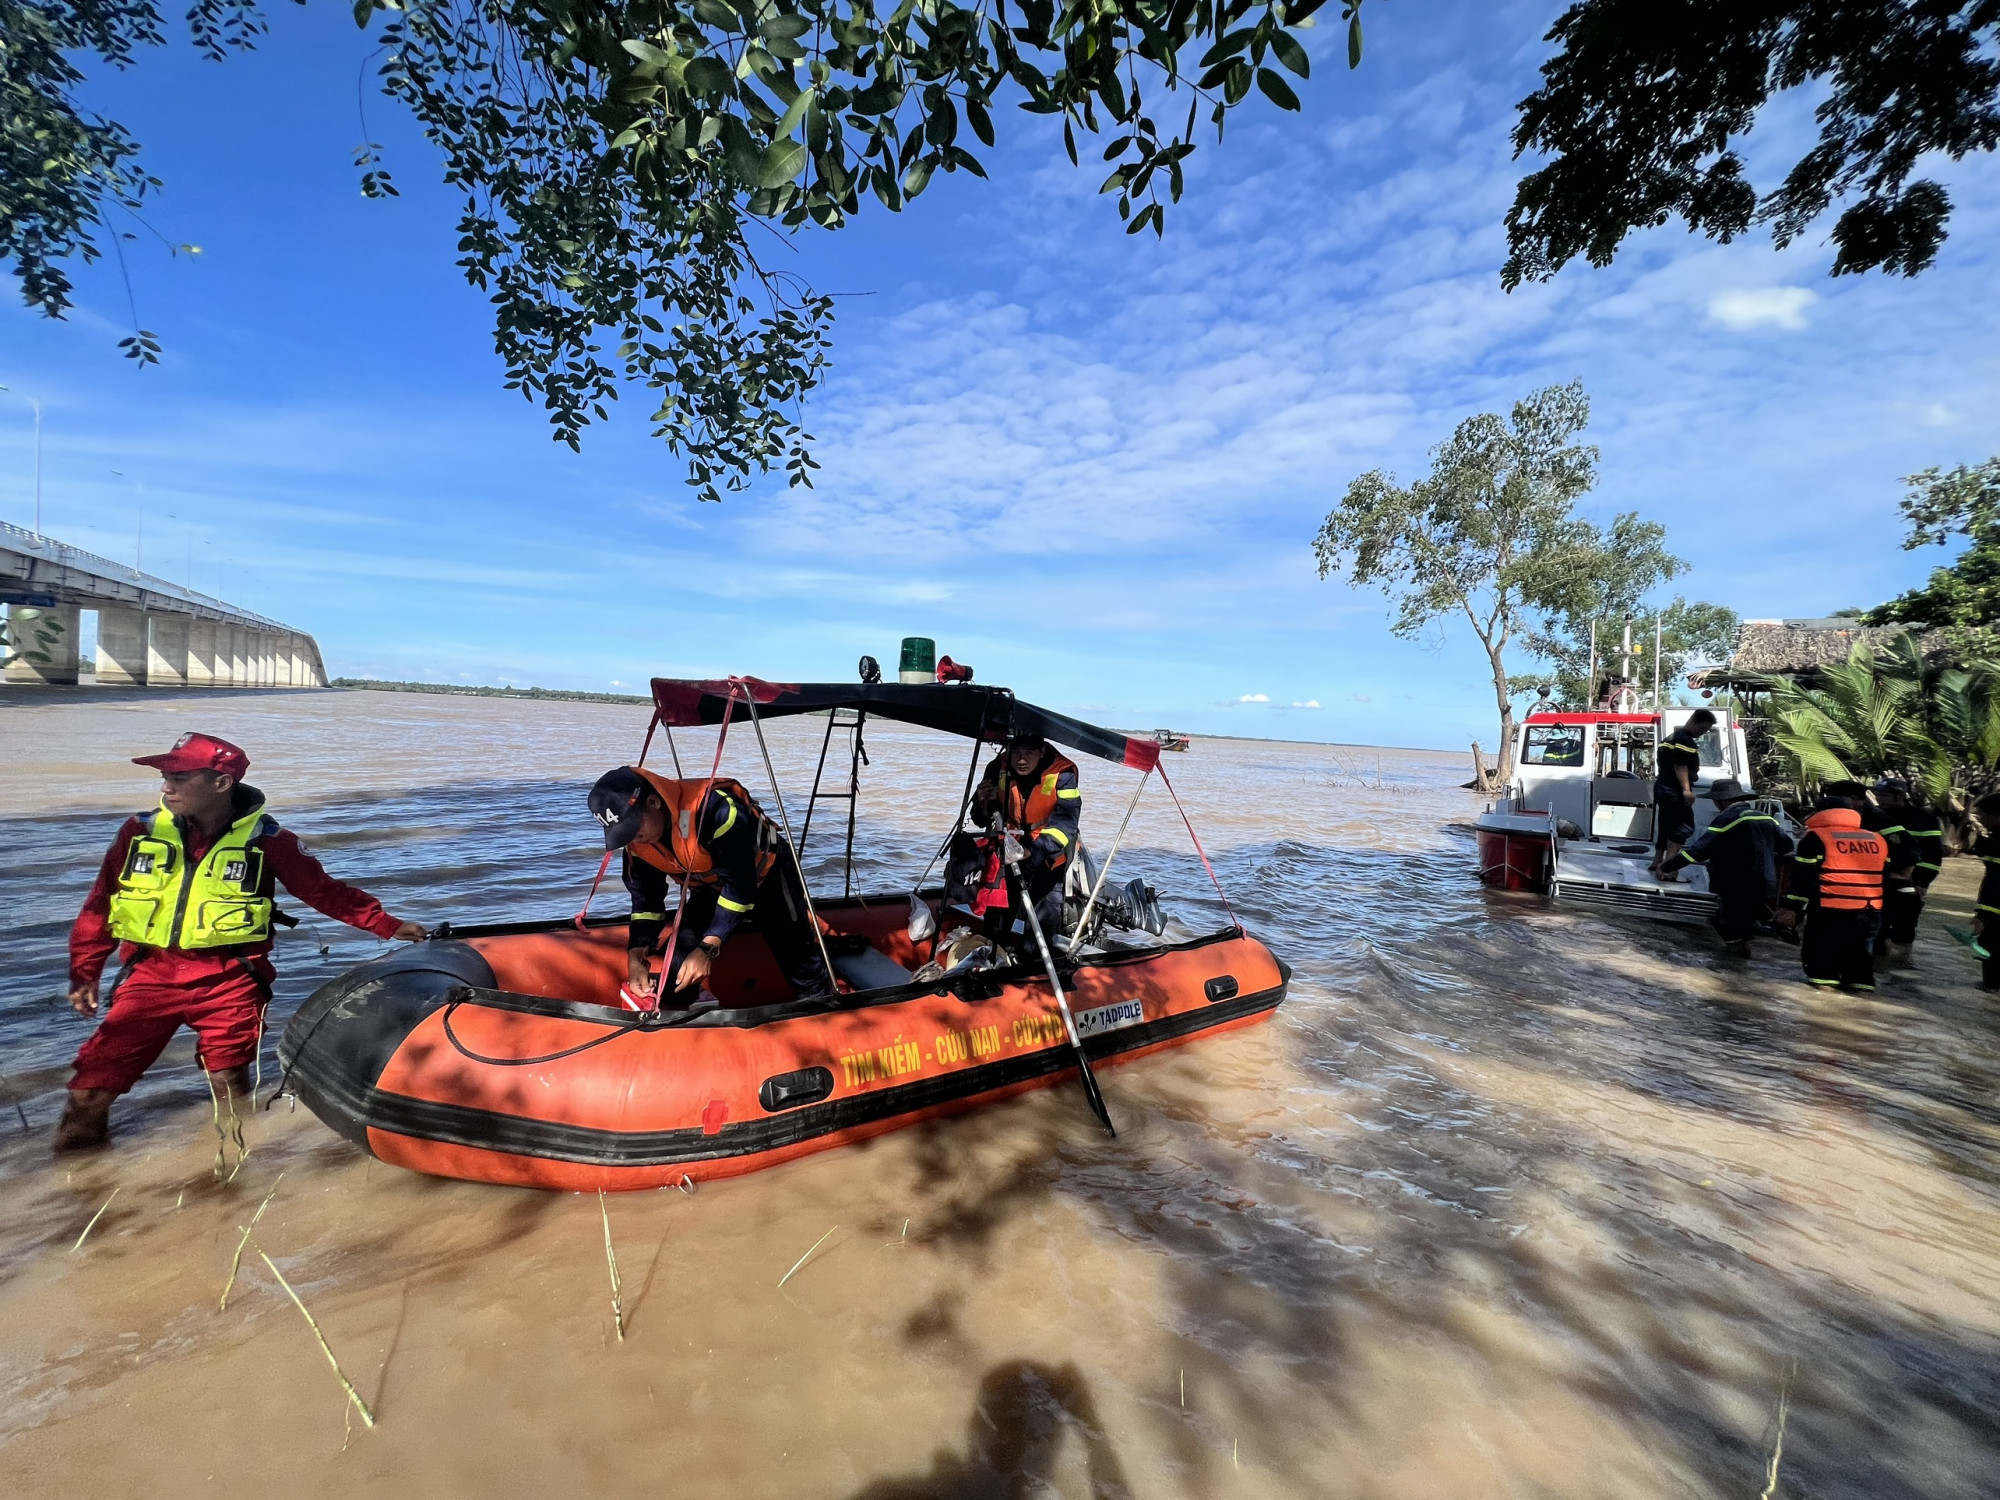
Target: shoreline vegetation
(467, 690)
(565, 695)
(42, 693)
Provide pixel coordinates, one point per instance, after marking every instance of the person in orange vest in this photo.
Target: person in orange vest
(709, 837)
(1837, 889)
(185, 896)
(1032, 788)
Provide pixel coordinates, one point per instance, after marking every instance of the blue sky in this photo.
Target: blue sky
(1089, 464)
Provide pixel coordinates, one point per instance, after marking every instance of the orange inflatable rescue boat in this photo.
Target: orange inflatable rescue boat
(503, 1053)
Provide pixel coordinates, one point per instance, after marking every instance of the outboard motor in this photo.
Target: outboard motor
(1132, 907)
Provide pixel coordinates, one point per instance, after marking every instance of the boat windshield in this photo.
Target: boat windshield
(1553, 745)
(1625, 749)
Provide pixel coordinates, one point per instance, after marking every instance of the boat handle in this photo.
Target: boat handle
(1223, 987)
(790, 1090)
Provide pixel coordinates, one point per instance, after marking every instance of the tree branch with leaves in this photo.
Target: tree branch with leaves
(1643, 104)
(623, 163)
(1482, 536)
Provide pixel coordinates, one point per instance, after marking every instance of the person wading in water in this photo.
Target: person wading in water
(184, 894)
(1837, 892)
(1741, 848)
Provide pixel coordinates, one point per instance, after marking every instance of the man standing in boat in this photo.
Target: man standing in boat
(1032, 788)
(185, 894)
(709, 837)
(1741, 849)
(1676, 768)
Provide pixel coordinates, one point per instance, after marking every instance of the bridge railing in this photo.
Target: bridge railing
(21, 539)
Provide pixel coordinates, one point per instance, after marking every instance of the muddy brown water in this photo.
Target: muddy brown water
(1504, 1201)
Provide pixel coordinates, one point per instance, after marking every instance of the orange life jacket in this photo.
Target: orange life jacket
(1029, 805)
(681, 853)
(1850, 875)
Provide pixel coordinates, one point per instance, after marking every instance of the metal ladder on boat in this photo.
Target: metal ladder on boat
(852, 721)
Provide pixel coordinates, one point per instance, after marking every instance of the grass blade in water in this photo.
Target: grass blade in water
(236, 1260)
(367, 1416)
(807, 1256)
(611, 1260)
(93, 1223)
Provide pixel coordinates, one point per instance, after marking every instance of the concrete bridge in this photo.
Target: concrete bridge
(150, 633)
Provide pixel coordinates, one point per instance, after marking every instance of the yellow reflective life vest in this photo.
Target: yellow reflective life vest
(218, 903)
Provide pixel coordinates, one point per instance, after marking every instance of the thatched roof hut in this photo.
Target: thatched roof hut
(1786, 648)
(1768, 651)
(1773, 651)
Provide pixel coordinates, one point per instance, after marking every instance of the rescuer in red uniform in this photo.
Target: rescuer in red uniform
(185, 896)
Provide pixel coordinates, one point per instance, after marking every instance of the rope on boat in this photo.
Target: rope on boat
(1197, 846)
(591, 895)
(1104, 870)
(798, 865)
(643, 1022)
(669, 983)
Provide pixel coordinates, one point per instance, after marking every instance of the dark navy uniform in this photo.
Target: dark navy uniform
(751, 879)
(1741, 848)
(1916, 845)
(1988, 850)
(1674, 812)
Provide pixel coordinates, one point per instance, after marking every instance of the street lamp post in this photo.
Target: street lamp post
(37, 405)
(139, 544)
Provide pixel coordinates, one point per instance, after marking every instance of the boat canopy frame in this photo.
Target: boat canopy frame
(976, 711)
(981, 713)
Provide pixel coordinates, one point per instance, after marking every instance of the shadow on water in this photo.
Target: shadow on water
(1521, 1144)
(1403, 1202)
(1022, 1418)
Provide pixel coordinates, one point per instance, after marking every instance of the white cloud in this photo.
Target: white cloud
(1308, 703)
(1255, 698)
(1761, 306)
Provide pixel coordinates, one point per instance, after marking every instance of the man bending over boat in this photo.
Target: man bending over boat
(1032, 788)
(1741, 848)
(711, 839)
(185, 894)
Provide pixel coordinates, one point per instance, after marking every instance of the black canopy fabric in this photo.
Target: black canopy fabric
(975, 711)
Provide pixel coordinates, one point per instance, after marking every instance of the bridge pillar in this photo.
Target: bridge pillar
(201, 653)
(229, 641)
(167, 650)
(121, 647)
(281, 660)
(263, 639)
(46, 632)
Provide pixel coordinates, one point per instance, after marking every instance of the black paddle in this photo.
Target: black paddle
(1012, 854)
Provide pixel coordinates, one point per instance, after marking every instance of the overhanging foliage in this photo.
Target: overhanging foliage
(1644, 102)
(619, 160)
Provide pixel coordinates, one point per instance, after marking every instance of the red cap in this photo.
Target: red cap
(199, 752)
